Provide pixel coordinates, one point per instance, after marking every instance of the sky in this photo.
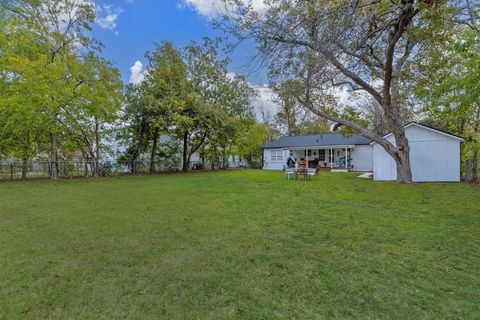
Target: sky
(130, 28)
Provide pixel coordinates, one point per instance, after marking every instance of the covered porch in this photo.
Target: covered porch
(325, 158)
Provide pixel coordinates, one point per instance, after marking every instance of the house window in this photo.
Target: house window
(321, 155)
(291, 153)
(309, 153)
(276, 154)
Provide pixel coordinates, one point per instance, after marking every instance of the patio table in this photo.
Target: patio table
(301, 172)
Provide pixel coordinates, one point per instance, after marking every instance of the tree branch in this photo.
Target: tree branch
(335, 62)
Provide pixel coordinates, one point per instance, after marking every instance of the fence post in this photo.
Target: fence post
(466, 170)
(474, 169)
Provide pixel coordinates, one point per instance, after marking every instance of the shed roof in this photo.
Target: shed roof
(419, 125)
(316, 140)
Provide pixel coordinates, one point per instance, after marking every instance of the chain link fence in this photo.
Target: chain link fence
(31, 170)
(471, 169)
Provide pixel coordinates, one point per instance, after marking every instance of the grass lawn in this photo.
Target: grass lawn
(239, 245)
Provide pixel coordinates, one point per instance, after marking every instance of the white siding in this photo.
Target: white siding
(269, 164)
(433, 157)
(237, 162)
(384, 167)
(362, 158)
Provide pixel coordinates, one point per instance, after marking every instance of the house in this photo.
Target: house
(327, 150)
(434, 154)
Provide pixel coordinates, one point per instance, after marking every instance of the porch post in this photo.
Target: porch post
(306, 166)
(331, 158)
(346, 158)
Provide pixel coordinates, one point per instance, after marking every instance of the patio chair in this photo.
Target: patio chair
(289, 174)
(311, 173)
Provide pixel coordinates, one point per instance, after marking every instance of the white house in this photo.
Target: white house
(434, 154)
(330, 150)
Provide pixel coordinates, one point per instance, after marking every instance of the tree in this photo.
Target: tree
(293, 118)
(291, 115)
(57, 29)
(22, 132)
(136, 129)
(54, 81)
(165, 92)
(449, 78)
(221, 102)
(233, 116)
(94, 108)
(362, 45)
(250, 142)
(169, 154)
(189, 95)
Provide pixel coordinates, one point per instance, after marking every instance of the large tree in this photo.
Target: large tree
(221, 102)
(189, 95)
(449, 77)
(359, 44)
(134, 132)
(59, 30)
(22, 127)
(165, 92)
(93, 110)
(52, 73)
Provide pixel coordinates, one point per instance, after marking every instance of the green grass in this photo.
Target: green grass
(239, 245)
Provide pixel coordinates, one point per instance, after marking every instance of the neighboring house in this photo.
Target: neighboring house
(237, 162)
(434, 154)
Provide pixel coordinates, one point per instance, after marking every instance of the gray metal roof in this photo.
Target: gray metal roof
(326, 139)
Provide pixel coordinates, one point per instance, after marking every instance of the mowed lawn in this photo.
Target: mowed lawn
(239, 245)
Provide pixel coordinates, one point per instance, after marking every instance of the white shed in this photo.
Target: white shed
(434, 155)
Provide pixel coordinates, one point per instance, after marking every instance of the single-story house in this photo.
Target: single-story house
(434, 154)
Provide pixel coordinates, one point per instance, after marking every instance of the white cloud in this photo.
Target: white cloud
(137, 73)
(213, 8)
(265, 106)
(107, 16)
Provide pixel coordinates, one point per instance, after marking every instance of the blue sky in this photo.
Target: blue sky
(129, 28)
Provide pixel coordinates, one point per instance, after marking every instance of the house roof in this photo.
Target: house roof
(410, 124)
(317, 140)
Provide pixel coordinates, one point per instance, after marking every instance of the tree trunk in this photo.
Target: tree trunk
(139, 150)
(53, 157)
(402, 156)
(85, 164)
(153, 155)
(24, 169)
(193, 150)
(97, 149)
(189, 157)
(186, 158)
